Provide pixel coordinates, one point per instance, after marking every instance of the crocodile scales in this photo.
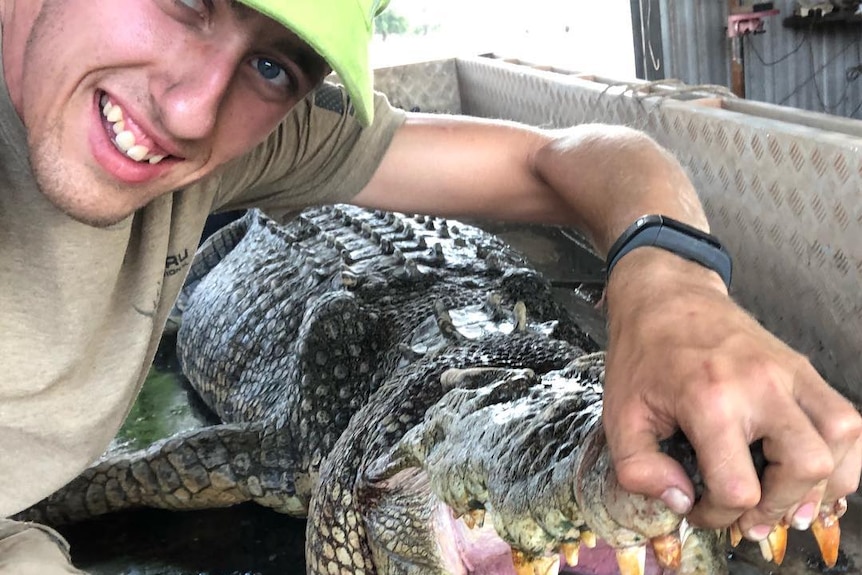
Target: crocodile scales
(411, 385)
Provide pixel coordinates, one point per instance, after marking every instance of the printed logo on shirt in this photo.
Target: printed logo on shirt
(175, 263)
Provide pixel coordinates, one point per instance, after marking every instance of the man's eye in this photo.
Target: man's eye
(185, 8)
(196, 5)
(271, 71)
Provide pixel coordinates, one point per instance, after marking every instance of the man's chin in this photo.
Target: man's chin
(73, 191)
(90, 212)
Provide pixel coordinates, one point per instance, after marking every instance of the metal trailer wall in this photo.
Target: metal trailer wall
(805, 69)
(781, 187)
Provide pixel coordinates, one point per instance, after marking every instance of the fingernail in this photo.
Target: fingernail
(759, 532)
(803, 517)
(676, 500)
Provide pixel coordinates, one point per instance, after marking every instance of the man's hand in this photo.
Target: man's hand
(682, 355)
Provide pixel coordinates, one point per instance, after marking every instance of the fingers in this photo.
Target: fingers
(811, 441)
(731, 482)
(840, 426)
(640, 466)
(795, 477)
(845, 478)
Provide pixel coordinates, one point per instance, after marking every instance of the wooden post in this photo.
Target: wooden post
(737, 60)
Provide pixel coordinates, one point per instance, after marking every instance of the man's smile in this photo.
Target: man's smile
(128, 138)
(123, 147)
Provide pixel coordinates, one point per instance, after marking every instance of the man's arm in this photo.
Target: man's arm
(680, 353)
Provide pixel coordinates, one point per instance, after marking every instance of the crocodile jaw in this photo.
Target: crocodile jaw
(459, 546)
(480, 551)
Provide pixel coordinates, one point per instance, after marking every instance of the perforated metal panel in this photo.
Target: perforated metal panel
(425, 87)
(784, 195)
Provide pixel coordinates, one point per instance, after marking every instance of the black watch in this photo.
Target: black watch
(673, 236)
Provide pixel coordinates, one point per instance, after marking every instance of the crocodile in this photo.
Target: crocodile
(410, 385)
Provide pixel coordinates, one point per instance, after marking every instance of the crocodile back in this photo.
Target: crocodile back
(299, 316)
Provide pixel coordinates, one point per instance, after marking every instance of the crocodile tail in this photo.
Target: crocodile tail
(215, 466)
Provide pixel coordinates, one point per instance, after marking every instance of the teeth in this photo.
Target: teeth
(123, 138)
(539, 566)
(588, 538)
(137, 153)
(474, 517)
(114, 114)
(632, 560)
(827, 532)
(735, 534)
(668, 551)
(777, 541)
(521, 563)
(570, 553)
(547, 565)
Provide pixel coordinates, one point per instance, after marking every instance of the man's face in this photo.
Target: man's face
(126, 100)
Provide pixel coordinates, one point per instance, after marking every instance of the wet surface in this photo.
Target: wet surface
(248, 539)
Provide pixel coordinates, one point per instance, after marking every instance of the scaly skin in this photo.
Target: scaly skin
(327, 348)
(525, 450)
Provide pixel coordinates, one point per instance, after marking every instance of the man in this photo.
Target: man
(124, 123)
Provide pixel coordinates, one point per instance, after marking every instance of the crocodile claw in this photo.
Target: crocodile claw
(632, 560)
(827, 532)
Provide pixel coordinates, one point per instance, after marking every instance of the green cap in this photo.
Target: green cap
(340, 31)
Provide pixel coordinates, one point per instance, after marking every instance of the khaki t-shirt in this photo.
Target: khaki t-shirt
(82, 309)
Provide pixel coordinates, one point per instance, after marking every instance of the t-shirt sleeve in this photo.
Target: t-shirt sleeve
(319, 154)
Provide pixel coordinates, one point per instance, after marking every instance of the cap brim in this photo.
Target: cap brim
(341, 40)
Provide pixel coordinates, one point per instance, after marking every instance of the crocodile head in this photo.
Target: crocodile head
(507, 473)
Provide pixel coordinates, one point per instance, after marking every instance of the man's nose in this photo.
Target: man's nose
(195, 89)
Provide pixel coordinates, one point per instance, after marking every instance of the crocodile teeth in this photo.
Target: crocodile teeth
(474, 518)
(571, 552)
(668, 550)
(774, 546)
(827, 532)
(735, 534)
(588, 538)
(632, 560)
(539, 566)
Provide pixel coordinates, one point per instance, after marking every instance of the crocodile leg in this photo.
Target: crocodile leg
(215, 466)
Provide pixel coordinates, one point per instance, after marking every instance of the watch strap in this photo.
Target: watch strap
(676, 237)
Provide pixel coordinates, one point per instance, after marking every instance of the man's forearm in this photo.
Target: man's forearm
(611, 175)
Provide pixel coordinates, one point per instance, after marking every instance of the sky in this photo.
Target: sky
(592, 36)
